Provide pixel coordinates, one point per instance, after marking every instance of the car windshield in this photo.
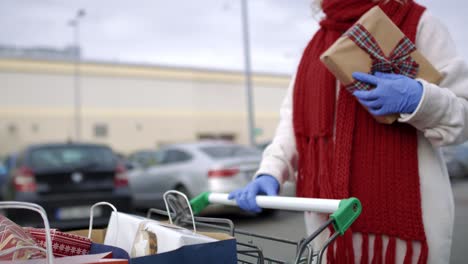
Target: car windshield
(78, 157)
(147, 158)
(221, 152)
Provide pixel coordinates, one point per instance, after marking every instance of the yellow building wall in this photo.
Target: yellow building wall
(142, 106)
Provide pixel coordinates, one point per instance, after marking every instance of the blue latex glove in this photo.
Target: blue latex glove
(245, 197)
(394, 93)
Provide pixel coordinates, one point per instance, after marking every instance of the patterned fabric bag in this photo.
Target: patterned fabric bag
(13, 236)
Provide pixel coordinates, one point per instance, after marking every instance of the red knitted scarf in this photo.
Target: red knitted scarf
(358, 157)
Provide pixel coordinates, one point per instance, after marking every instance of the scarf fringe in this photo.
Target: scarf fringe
(349, 247)
(340, 255)
(365, 249)
(424, 253)
(390, 253)
(378, 250)
(342, 250)
(409, 252)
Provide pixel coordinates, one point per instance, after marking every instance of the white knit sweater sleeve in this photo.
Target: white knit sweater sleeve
(442, 114)
(280, 157)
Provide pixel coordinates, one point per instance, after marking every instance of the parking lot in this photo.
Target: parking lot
(107, 106)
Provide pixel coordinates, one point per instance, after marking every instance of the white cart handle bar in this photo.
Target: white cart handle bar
(343, 212)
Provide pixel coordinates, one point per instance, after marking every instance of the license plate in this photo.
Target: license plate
(76, 212)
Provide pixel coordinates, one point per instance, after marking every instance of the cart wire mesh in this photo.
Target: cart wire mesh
(249, 248)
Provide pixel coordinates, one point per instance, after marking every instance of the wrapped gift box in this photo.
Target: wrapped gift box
(375, 43)
(64, 244)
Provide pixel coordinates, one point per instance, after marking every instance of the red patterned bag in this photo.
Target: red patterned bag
(63, 244)
(13, 236)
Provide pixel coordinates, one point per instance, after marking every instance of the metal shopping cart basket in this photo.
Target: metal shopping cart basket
(342, 214)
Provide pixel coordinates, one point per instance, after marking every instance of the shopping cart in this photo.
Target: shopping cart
(342, 214)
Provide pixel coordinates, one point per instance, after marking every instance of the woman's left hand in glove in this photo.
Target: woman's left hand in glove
(394, 93)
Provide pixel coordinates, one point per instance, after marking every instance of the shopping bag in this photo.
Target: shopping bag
(82, 259)
(188, 246)
(156, 238)
(97, 246)
(118, 253)
(25, 236)
(174, 244)
(97, 235)
(14, 236)
(122, 229)
(167, 237)
(222, 251)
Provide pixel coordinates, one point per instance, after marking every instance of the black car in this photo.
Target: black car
(66, 179)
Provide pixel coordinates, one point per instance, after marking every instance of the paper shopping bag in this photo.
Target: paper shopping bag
(82, 259)
(155, 237)
(172, 244)
(118, 253)
(97, 246)
(175, 244)
(220, 251)
(122, 230)
(97, 235)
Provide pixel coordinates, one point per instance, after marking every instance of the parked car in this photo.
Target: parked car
(263, 145)
(122, 159)
(456, 158)
(3, 177)
(192, 168)
(66, 179)
(144, 158)
(3, 169)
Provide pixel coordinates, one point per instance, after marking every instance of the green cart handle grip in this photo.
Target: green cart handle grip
(343, 212)
(348, 211)
(200, 202)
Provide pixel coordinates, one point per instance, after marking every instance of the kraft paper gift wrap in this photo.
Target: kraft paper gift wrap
(345, 57)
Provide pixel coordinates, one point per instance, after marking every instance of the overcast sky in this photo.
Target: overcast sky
(199, 33)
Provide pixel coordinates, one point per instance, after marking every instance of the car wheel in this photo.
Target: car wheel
(268, 212)
(180, 199)
(184, 190)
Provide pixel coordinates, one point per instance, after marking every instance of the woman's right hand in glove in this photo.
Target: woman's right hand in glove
(264, 184)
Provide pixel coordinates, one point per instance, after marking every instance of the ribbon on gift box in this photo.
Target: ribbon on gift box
(399, 61)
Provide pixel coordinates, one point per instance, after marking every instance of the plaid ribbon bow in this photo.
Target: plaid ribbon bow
(399, 61)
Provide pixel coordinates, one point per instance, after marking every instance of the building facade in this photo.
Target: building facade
(130, 107)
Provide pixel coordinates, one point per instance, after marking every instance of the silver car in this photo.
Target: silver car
(456, 158)
(215, 166)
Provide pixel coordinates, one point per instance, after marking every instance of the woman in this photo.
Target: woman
(339, 150)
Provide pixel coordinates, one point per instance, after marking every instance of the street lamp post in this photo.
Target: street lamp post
(248, 72)
(75, 23)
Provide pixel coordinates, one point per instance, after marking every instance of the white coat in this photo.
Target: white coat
(441, 118)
